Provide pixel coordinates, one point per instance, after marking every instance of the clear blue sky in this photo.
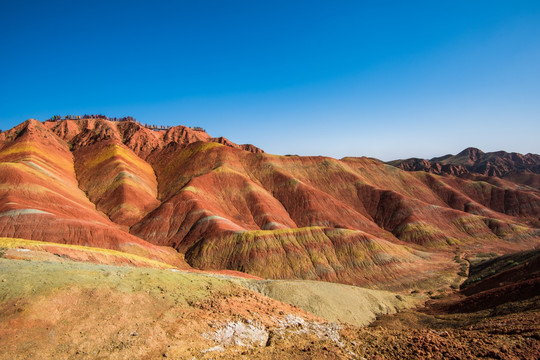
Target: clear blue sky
(388, 79)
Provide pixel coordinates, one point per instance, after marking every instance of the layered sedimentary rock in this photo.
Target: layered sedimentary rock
(229, 206)
(40, 197)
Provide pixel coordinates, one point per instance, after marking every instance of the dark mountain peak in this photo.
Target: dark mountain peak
(471, 153)
(523, 169)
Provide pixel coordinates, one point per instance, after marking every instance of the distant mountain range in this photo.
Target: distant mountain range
(522, 169)
(220, 205)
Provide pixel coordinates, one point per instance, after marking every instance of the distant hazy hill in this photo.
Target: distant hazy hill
(522, 169)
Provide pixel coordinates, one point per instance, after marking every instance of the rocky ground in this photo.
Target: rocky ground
(73, 310)
(510, 332)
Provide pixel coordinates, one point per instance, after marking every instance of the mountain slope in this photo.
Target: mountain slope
(40, 198)
(229, 206)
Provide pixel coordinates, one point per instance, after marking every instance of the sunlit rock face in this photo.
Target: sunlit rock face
(120, 185)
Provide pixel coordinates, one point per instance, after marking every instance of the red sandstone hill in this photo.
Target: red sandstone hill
(227, 206)
(472, 163)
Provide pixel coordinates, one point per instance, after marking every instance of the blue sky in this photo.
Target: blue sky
(387, 79)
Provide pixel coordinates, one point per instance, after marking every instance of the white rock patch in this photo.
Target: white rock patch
(239, 333)
(252, 334)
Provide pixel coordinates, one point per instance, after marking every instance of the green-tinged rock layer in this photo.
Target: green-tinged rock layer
(336, 255)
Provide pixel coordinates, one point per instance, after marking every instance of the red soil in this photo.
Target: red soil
(229, 206)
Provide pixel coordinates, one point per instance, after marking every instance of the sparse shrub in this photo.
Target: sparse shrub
(415, 291)
(454, 286)
(399, 297)
(462, 273)
(512, 263)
